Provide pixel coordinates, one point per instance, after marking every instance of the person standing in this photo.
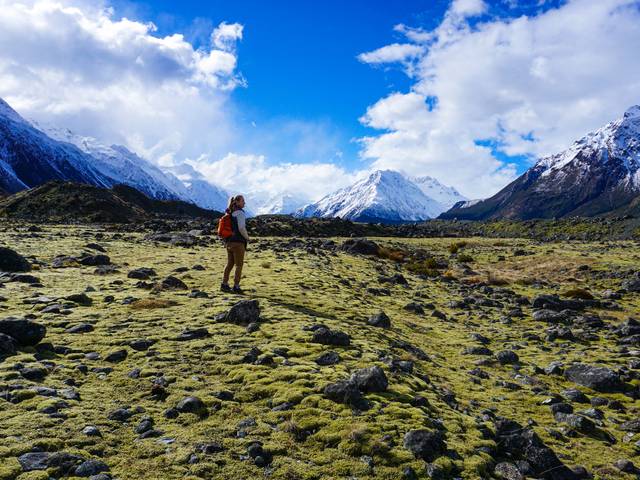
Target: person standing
(236, 244)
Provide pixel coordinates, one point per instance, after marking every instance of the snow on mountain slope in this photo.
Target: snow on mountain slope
(124, 166)
(32, 154)
(180, 182)
(202, 192)
(598, 174)
(281, 204)
(383, 196)
(9, 113)
(30, 158)
(432, 188)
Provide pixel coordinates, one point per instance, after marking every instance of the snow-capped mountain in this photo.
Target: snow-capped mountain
(126, 167)
(384, 196)
(432, 188)
(28, 157)
(598, 174)
(202, 192)
(281, 204)
(32, 154)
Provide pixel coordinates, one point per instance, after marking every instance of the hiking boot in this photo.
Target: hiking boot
(225, 287)
(237, 290)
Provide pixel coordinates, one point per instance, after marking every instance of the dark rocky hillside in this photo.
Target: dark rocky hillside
(80, 203)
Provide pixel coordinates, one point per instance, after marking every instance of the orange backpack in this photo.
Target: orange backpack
(225, 230)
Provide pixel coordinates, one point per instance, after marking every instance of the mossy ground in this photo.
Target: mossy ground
(316, 438)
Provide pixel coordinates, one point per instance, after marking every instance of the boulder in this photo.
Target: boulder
(142, 273)
(600, 379)
(425, 444)
(328, 358)
(191, 405)
(116, 356)
(12, 261)
(172, 283)
(371, 379)
(243, 313)
(34, 461)
(90, 468)
(515, 441)
(380, 319)
(346, 392)
(95, 260)
(25, 332)
(326, 336)
(361, 246)
(192, 334)
(507, 356)
(8, 345)
(80, 298)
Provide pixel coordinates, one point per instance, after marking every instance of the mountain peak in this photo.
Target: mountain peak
(633, 112)
(8, 112)
(385, 196)
(596, 175)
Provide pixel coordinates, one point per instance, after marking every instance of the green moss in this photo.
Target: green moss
(314, 437)
(9, 468)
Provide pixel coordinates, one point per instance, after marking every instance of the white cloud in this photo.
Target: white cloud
(552, 77)
(74, 64)
(226, 36)
(468, 8)
(254, 177)
(396, 52)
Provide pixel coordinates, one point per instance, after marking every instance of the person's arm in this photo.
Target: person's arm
(242, 227)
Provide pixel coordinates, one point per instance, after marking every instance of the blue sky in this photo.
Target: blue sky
(280, 97)
(300, 57)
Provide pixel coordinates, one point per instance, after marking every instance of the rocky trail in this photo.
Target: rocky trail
(347, 358)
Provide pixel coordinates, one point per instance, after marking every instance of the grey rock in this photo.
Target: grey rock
(601, 379)
(24, 332)
(380, 319)
(425, 444)
(191, 405)
(371, 379)
(12, 261)
(244, 313)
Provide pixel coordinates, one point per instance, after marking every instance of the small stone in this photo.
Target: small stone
(380, 320)
(506, 357)
(328, 358)
(91, 467)
(425, 444)
(117, 356)
(370, 379)
(191, 405)
(34, 461)
(91, 431)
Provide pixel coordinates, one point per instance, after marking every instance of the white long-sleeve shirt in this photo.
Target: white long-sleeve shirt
(242, 225)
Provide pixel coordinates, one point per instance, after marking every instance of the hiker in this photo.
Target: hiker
(232, 229)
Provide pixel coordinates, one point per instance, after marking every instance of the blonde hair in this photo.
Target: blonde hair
(232, 206)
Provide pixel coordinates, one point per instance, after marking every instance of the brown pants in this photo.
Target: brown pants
(235, 256)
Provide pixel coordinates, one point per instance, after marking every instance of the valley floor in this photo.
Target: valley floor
(443, 356)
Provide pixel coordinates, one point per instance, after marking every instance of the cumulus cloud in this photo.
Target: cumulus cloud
(468, 8)
(226, 36)
(396, 52)
(253, 176)
(75, 64)
(527, 86)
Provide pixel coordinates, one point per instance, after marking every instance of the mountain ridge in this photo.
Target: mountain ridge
(32, 154)
(598, 174)
(384, 196)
